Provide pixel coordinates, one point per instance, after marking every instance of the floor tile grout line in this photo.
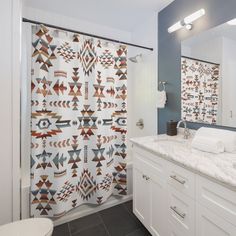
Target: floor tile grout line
(132, 232)
(68, 225)
(133, 216)
(130, 212)
(127, 209)
(108, 233)
(79, 231)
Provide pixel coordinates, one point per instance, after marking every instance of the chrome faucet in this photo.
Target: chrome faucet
(186, 130)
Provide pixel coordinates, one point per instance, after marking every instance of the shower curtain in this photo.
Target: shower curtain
(78, 121)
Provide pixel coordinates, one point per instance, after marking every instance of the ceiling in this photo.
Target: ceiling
(120, 14)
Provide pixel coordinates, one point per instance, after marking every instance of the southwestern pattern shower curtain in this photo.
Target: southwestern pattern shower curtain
(78, 120)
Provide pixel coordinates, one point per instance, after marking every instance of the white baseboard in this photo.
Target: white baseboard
(85, 210)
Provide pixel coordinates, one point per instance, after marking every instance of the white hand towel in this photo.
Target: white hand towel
(208, 144)
(161, 99)
(227, 137)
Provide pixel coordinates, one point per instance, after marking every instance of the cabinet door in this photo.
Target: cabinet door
(140, 196)
(158, 201)
(207, 223)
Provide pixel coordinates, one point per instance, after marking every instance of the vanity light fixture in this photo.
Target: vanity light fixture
(232, 22)
(187, 21)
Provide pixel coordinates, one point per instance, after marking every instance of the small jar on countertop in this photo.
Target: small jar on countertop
(171, 129)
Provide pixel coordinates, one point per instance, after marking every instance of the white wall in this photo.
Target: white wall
(6, 113)
(210, 50)
(143, 80)
(75, 24)
(9, 103)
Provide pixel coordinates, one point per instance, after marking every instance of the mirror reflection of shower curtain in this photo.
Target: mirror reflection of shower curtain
(199, 90)
(78, 121)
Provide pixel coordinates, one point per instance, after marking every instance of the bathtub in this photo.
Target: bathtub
(84, 209)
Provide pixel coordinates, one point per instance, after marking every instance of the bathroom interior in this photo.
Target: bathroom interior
(118, 118)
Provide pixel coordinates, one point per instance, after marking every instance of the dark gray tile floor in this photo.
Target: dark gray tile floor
(115, 221)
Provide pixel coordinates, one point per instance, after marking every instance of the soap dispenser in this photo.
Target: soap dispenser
(171, 129)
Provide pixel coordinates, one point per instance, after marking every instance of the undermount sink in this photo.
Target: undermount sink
(173, 145)
(170, 141)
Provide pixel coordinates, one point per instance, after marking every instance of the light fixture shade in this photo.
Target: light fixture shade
(175, 27)
(232, 22)
(191, 18)
(187, 21)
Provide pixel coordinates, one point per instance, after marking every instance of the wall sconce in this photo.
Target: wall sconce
(232, 22)
(187, 21)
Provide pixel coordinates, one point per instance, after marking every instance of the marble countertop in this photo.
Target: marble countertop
(220, 167)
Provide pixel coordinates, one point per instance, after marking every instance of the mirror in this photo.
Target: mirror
(208, 76)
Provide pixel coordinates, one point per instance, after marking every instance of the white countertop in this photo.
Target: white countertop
(220, 167)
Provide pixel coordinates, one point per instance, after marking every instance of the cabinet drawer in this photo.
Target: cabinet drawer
(208, 223)
(181, 212)
(173, 231)
(148, 167)
(217, 198)
(182, 180)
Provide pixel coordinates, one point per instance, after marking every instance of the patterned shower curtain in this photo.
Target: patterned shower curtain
(78, 130)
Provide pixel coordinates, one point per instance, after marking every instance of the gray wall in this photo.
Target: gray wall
(169, 47)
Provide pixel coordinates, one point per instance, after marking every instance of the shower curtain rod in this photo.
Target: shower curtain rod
(84, 33)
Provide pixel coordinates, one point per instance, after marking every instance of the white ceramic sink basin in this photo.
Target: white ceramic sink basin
(170, 141)
(173, 145)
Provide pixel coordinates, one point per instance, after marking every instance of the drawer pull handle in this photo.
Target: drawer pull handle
(174, 177)
(174, 208)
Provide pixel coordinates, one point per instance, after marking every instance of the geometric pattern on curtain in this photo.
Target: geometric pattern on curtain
(78, 122)
(199, 90)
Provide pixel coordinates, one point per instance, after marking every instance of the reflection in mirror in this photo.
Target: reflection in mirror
(208, 76)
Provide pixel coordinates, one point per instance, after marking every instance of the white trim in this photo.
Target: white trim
(85, 210)
(26, 119)
(16, 68)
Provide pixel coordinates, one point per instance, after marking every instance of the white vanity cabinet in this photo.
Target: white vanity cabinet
(150, 193)
(173, 201)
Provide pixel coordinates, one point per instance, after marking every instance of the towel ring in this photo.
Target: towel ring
(163, 83)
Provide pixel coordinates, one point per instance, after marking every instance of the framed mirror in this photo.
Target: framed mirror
(208, 76)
